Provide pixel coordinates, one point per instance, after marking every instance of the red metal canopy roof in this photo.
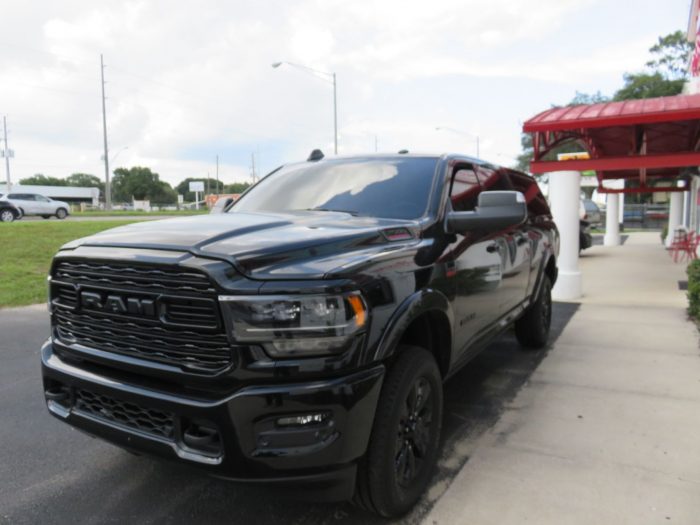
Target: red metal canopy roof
(655, 138)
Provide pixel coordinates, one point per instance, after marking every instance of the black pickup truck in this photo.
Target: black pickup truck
(302, 336)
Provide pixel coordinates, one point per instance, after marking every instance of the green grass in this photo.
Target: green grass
(26, 250)
(136, 213)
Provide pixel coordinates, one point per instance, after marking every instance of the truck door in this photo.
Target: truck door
(476, 265)
(513, 245)
(537, 209)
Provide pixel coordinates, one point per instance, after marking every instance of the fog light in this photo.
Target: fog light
(299, 421)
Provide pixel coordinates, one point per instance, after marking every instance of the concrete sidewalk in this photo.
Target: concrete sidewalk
(608, 429)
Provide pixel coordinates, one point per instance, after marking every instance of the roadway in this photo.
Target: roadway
(52, 473)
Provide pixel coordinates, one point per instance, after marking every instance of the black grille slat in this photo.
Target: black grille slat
(131, 415)
(186, 332)
(209, 355)
(138, 276)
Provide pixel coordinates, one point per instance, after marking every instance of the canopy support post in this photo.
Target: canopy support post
(612, 226)
(565, 195)
(674, 216)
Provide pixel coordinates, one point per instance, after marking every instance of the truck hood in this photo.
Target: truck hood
(304, 245)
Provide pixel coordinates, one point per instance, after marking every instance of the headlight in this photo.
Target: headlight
(296, 325)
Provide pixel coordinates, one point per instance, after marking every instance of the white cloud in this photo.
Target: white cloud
(187, 81)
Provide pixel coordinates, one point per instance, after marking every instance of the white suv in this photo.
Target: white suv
(33, 204)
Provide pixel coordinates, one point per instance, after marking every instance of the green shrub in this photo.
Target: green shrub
(694, 288)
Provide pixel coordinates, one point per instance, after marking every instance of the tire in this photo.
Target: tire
(61, 213)
(532, 329)
(21, 214)
(7, 216)
(405, 438)
(46, 216)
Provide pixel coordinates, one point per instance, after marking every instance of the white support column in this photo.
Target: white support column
(612, 226)
(621, 207)
(564, 196)
(674, 215)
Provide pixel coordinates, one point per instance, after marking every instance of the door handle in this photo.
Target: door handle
(492, 248)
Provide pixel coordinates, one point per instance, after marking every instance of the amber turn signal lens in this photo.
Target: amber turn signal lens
(358, 307)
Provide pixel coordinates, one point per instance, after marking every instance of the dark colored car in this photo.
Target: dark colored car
(8, 212)
(303, 336)
(585, 239)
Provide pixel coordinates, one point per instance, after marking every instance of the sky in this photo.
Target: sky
(187, 81)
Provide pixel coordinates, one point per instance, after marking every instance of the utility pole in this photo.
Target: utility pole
(6, 154)
(376, 143)
(252, 166)
(108, 188)
(217, 175)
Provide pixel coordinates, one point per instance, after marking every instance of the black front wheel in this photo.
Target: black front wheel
(403, 448)
(532, 329)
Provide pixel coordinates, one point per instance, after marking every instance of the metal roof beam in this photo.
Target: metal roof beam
(667, 160)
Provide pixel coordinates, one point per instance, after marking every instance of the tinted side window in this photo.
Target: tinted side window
(536, 203)
(493, 179)
(465, 189)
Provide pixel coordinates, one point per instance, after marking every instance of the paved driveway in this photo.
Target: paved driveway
(50, 473)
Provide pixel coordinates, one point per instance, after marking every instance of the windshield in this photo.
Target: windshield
(396, 188)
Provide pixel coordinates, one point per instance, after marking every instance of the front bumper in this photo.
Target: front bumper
(237, 437)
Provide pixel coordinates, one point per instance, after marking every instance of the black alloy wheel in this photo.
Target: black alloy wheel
(404, 444)
(532, 329)
(413, 433)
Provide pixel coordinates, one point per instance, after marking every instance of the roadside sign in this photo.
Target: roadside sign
(197, 186)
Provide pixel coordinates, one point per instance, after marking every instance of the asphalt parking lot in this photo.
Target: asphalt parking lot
(53, 474)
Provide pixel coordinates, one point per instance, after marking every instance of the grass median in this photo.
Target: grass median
(26, 250)
(137, 213)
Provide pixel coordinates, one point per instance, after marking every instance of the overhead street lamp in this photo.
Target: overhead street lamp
(459, 132)
(328, 77)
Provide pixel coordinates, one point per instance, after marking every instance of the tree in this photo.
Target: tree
(237, 187)
(585, 98)
(85, 180)
(646, 85)
(43, 180)
(141, 183)
(671, 56)
(669, 70)
(212, 185)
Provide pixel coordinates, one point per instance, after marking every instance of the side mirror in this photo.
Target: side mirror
(496, 210)
(222, 205)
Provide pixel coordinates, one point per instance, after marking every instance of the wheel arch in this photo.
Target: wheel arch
(424, 319)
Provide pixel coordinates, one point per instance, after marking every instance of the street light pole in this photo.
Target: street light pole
(108, 189)
(331, 78)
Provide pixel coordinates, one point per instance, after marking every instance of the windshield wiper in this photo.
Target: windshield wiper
(351, 212)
